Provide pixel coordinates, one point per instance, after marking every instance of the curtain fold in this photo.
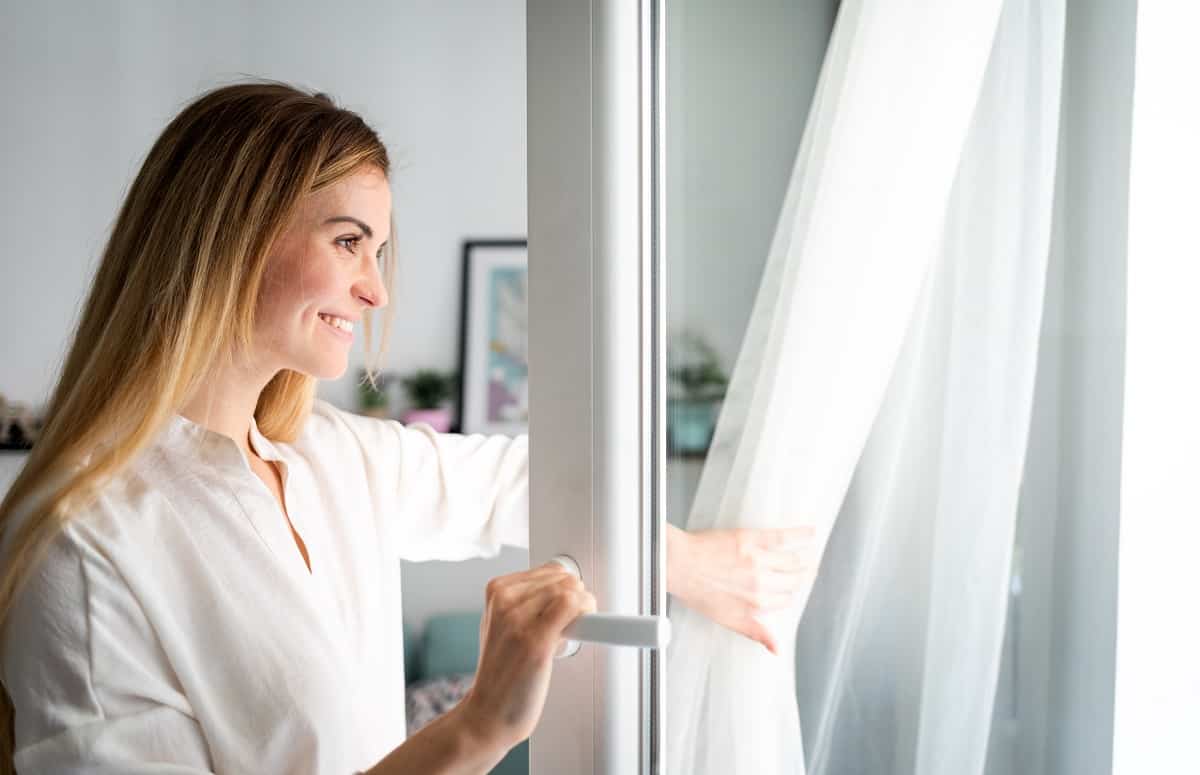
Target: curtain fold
(884, 385)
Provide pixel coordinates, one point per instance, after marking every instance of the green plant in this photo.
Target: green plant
(698, 370)
(429, 389)
(372, 394)
(704, 380)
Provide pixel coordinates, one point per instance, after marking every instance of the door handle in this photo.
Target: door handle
(645, 632)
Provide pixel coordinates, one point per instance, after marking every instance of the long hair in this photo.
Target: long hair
(176, 291)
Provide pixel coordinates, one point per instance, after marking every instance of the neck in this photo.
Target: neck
(225, 403)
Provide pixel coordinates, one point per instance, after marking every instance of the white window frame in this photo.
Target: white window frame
(596, 384)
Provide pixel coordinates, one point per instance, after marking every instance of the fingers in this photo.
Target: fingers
(755, 630)
(763, 584)
(787, 538)
(551, 609)
(538, 599)
(512, 587)
(786, 562)
(524, 617)
(787, 581)
(561, 600)
(775, 601)
(790, 550)
(540, 602)
(566, 608)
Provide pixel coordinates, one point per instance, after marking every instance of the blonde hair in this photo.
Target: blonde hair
(175, 291)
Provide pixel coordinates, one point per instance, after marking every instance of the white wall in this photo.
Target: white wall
(740, 79)
(1157, 693)
(86, 87)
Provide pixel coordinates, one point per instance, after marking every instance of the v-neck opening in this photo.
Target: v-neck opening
(285, 506)
(277, 534)
(261, 446)
(286, 510)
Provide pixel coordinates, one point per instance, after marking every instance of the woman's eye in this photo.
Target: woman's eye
(352, 240)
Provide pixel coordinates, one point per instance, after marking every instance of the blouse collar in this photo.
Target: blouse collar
(261, 444)
(197, 439)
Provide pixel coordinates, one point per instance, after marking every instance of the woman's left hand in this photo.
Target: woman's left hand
(733, 575)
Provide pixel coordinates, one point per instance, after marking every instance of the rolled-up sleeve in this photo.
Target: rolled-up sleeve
(91, 689)
(443, 496)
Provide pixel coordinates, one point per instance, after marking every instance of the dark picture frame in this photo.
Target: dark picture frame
(492, 344)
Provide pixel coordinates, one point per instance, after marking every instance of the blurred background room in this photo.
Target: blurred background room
(87, 86)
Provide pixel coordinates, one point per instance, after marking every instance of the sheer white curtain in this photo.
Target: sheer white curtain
(895, 332)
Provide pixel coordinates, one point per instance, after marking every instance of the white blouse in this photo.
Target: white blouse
(174, 627)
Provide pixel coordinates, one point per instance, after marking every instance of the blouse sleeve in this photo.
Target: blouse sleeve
(91, 690)
(441, 496)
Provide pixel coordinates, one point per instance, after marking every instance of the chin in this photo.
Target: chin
(331, 371)
(327, 368)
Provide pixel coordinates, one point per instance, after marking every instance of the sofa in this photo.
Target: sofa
(439, 666)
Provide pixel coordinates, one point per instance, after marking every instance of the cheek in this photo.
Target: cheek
(318, 286)
(274, 304)
(296, 286)
(278, 326)
(295, 290)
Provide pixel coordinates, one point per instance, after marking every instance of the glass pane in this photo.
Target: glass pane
(739, 81)
(739, 84)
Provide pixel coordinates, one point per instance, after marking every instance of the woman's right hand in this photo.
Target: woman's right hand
(521, 631)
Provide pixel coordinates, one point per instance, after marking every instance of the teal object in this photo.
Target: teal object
(690, 424)
(515, 762)
(410, 655)
(450, 646)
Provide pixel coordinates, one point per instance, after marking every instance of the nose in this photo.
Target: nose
(370, 288)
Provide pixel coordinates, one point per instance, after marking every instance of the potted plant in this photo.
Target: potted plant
(699, 385)
(19, 425)
(373, 398)
(428, 391)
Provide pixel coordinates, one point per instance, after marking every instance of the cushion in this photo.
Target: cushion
(410, 654)
(441, 672)
(450, 645)
(429, 698)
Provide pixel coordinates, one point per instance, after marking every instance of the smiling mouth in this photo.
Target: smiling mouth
(338, 324)
(336, 330)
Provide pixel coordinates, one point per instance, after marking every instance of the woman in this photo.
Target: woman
(200, 558)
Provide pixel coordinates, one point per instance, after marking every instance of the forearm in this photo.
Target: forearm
(448, 745)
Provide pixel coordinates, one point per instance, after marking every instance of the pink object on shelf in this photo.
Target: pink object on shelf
(438, 419)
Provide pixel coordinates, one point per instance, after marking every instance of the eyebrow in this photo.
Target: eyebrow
(349, 219)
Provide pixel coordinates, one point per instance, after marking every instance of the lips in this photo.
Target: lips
(344, 316)
(347, 336)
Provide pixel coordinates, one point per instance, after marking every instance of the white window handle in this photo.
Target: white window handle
(645, 632)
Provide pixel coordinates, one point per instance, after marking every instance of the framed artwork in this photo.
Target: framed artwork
(493, 338)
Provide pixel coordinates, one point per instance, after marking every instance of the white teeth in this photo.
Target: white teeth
(344, 325)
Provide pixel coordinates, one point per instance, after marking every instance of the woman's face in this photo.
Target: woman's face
(325, 266)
